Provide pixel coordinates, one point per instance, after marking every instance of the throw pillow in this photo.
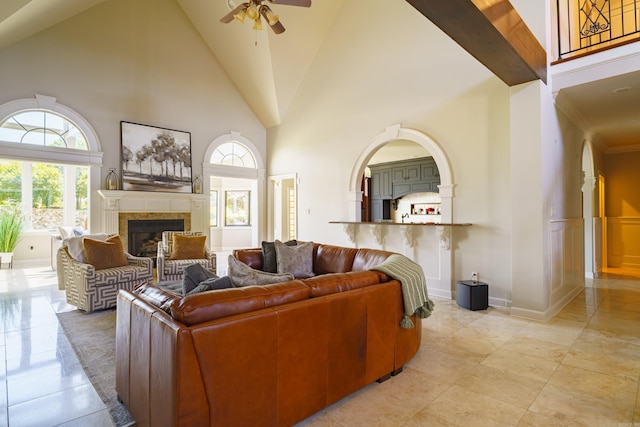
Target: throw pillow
(187, 247)
(107, 254)
(269, 258)
(297, 260)
(194, 274)
(243, 275)
(212, 285)
(75, 246)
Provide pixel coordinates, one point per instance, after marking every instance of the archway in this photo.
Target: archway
(592, 220)
(392, 133)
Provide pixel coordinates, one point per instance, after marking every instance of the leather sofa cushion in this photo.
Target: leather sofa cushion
(341, 282)
(333, 259)
(202, 307)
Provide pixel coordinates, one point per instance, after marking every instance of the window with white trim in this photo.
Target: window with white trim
(50, 193)
(237, 203)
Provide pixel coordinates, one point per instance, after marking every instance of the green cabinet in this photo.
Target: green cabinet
(381, 187)
(396, 179)
(393, 180)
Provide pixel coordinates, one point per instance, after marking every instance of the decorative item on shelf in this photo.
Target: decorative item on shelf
(112, 179)
(197, 184)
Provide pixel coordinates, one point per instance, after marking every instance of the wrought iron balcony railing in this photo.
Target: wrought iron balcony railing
(586, 26)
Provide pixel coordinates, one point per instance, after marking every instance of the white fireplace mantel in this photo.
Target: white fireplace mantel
(117, 201)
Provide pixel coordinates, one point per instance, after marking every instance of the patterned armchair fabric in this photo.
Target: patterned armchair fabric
(90, 289)
(170, 269)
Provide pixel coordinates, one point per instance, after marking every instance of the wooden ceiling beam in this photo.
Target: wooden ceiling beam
(493, 33)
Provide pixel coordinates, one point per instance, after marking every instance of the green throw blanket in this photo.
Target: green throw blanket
(414, 286)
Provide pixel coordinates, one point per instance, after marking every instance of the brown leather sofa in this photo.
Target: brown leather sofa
(261, 355)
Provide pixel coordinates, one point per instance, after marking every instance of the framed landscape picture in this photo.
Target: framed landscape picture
(155, 159)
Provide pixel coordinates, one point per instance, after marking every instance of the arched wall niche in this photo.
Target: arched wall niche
(392, 133)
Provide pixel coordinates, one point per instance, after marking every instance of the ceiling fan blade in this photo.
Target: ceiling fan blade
(301, 3)
(229, 16)
(278, 28)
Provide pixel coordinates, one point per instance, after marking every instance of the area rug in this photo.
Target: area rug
(93, 338)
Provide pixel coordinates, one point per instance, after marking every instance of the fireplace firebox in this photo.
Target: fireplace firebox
(144, 235)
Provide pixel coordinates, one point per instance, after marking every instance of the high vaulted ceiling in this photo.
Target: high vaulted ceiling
(267, 68)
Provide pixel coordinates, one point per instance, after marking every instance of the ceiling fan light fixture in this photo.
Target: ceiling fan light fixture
(255, 10)
(268, 14)
(252, 12)
(241, 15)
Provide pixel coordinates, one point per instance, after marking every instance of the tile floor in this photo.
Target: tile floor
(481, 368)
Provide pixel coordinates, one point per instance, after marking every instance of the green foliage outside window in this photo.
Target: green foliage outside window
(237, 208)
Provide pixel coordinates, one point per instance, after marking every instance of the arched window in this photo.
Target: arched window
(46, 162)
(41, 127)
(233, 154)
(237, 202)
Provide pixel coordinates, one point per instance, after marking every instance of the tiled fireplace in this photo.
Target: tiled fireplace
(122, 207)
(143, 235)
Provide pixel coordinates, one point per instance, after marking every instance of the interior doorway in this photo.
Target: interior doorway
(284, 206)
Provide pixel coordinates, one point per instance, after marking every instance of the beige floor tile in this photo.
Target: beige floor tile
(503, 323)
(424, 419)
(563, 332)
(518, 363)
(537, 348)
(443, 366)
(370, 407)
(462, 407)
(414, 387)
(592, 340)
(533, 419)
(508, 387)
(561, 403)
(465, 345)
(578, 315)
(603, 363)
(623, 391)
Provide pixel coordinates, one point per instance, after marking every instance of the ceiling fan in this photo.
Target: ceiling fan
(254, 9)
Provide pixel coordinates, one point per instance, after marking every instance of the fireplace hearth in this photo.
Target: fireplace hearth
(144, 235)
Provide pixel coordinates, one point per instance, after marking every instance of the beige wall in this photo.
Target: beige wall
(622, 209)
(622, 178)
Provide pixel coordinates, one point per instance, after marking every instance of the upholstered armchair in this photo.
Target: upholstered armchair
(179, 249)
(95, 287)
